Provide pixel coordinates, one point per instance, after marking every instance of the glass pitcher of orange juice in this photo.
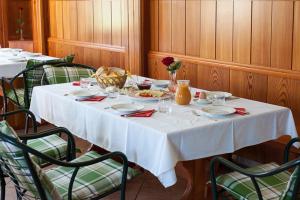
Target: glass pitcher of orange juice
(183, 94)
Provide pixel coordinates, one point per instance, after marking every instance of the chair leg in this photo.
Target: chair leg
(3, 184)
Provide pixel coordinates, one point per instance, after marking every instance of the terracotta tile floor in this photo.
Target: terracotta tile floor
(143, 187)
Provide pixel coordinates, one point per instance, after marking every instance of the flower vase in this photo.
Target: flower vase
(21, 34)
(172, 84)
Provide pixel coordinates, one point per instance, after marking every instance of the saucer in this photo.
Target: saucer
(202, 101)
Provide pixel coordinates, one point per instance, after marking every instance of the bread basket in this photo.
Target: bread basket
(110, 76)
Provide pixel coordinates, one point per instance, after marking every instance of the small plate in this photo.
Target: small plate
(22, 59)
(84, 93)
(161, 83)
(225, 94)
(30, 54)
(202, 101)
(127, 108)
(218, 111)
(133, 96)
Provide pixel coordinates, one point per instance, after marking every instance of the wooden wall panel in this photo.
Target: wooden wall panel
(59, 19)
(249, 85)
(154, 25)
(157, 68)
(12, 16)
(208, 29)
(97, 21)
(52, 18)
(242, 31)
(213, 78)
(261, 33)
(165, 25)
(88, 55)
(282, 34)
(193, 15)
(98, 32)
(187, 72)
(285, 92)
(70, 19)
(116, 23)
(85, 20)
(224, 30)
(296, 45)
(178, 27)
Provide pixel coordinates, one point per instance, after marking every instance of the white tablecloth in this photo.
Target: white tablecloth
(159, 142)
(10, 68)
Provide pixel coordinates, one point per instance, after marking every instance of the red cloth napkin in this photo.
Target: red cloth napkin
(197, 94)
(95, 98)
(76, 83)
(241, 111)
(145, 113)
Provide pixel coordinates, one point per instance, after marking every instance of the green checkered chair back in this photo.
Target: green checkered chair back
(56, 75)
(34, 77)
(293, 185)
(14, 164)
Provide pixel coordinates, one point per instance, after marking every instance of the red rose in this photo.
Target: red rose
(167, 61)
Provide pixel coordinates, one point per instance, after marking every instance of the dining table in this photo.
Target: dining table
(13, 61)
(184, 136)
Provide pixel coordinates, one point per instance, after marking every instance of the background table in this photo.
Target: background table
(11, 68)
(160, 142)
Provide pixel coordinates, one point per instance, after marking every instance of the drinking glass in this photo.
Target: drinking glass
(218, 99)
(112, 91)
(85, 82)
(165, 105)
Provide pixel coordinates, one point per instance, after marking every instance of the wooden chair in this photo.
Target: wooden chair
(91, 176)
(266, 181)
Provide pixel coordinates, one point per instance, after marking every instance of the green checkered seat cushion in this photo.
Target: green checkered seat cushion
(52, 145)
(90, 181)
(14, 160)
(56, 75)
(35, 77)
(241, 187)
(19, 94)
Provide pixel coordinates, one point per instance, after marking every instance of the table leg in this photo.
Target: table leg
(196, 172)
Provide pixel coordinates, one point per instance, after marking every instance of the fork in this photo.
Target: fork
(203, 115)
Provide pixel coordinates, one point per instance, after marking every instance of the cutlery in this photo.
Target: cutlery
(203, 115)
(140, 112)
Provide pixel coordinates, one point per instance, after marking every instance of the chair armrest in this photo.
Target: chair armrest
(25, 111)
(288, 148)
(71, 151)
(247, 172)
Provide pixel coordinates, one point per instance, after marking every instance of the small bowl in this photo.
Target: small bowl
(144, 85)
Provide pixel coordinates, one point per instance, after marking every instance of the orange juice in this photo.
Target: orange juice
(183, 94)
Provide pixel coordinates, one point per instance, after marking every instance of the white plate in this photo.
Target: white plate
(84, 93)
(218, 111)
(127, 108)
(22, 59)
(161, 83)
(10, 49)
(148, 99)
(202, 101)
(226, 94)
